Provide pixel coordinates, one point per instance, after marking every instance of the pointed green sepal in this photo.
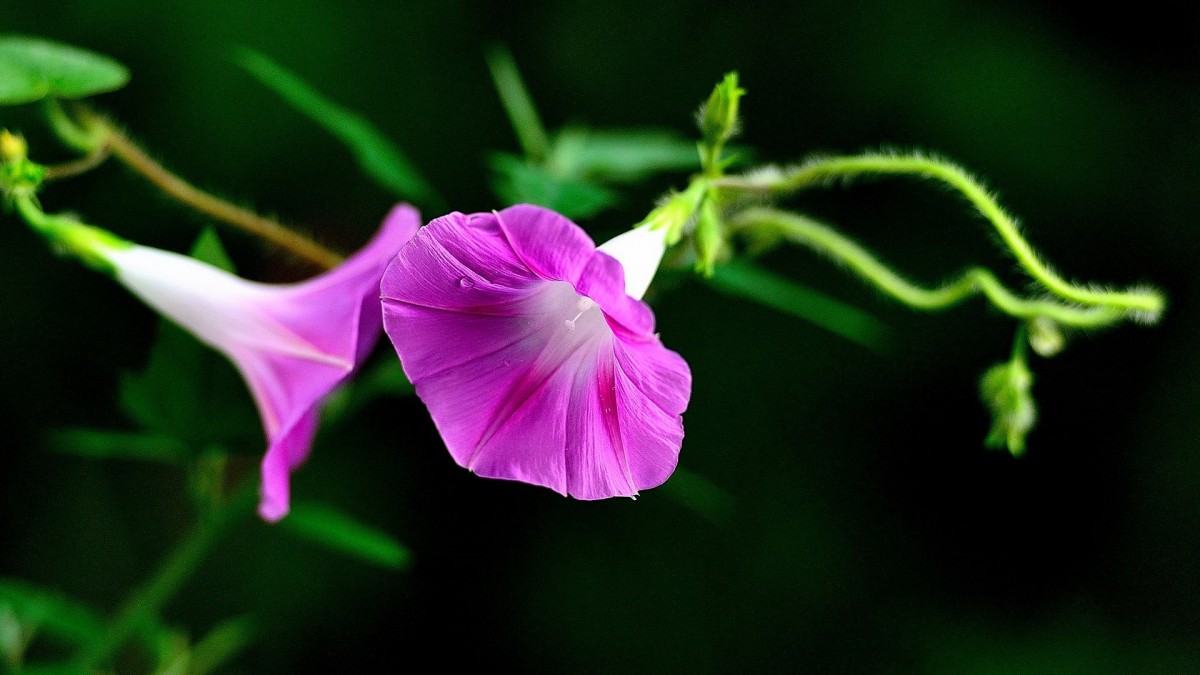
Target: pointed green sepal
(710, 237)
(718, 120)
(719, 115)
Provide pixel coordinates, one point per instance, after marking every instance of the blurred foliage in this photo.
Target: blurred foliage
(379, 158)
(36, 69)
(865, 529)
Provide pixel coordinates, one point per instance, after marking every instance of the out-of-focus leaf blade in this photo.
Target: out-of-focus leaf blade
(747, 280)
(50, 613)
(333, 529)
(378, 156)
(222, 643)
(188, 391)
(385, 378)
(622, 155)
(32, 68)
(701, 495)
(517, 182)
(104, 444)
(518, 104)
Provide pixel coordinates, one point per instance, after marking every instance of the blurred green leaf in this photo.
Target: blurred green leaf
(518, 104)
(32, 69)
(208, 248)
(517, 182)
(174, 656)
(103, 444)
(222, 643)
(47, 612)
(700, 495)
(379, 158)
(188, 391)
(384, 378)
(335, 530)
(622, 155)
(744, 279)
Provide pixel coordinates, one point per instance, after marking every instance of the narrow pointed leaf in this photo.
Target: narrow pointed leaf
(335, 530)
(49, 613)
(377, 156)
(701, 495)
(747, 280)
(32, 69)
(221, 644)
(104, 444)
(518, 104)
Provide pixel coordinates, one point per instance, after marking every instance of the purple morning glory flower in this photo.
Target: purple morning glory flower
(534, 361)
(292, 343)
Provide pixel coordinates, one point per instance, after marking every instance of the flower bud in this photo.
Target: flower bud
(719, 115)
(1046, 337)
(1006, 391)
(12, 147)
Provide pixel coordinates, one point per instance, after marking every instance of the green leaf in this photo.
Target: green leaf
(622, 155)
(208, 248)
(385, 378)
(516, 182)
(103, 444)
(222, 643)
(32, 69)
(376, 155)
(187, 391)
(700, 495)
(746, 280)
(49, 613)
(518, 103)
(335, 530)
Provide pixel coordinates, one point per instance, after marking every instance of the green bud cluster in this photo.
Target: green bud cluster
(718, 120)
(1006, 389)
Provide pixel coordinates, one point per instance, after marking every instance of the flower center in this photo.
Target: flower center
(583, 305)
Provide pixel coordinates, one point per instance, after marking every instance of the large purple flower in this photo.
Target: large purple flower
(292, 343)
(535, 363)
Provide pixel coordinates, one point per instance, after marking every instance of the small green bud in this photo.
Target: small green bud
(710, 238)
(1045, 336)
(13, 148)
(718, 116)
(1006, 391)
(21, 176)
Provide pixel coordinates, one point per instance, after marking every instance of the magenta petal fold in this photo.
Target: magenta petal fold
(292, 343)
(534, 363)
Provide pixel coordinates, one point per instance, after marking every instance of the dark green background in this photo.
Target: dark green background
(869, 532)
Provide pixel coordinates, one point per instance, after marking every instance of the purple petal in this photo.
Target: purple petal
(338, 314)
(287, 451)
(549, 245)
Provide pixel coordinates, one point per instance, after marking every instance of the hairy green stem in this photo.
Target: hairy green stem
(975, 280)
(145, 603)
(1147, 304)
(94, 133)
